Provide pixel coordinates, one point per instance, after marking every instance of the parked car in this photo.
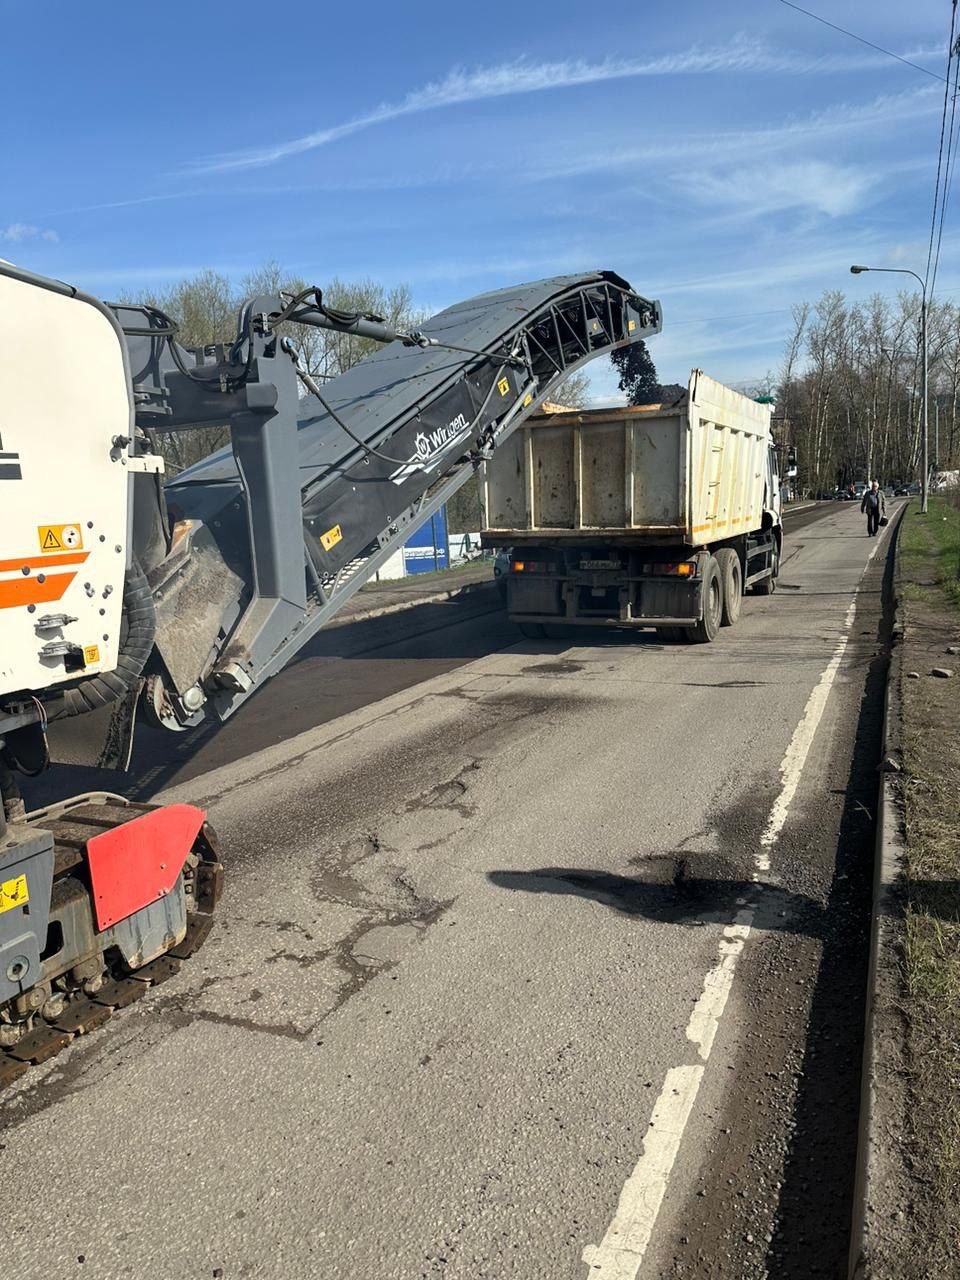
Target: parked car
(902, 491)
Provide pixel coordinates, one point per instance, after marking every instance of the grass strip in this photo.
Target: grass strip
(930, 578)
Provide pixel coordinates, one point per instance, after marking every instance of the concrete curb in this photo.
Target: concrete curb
(437, 597)
(885, 942)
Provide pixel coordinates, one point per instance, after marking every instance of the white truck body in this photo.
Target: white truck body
(626, 516)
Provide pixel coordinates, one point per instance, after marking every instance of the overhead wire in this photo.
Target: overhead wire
(954, 53)
(938, 187)
(869, 43)
(948, 135)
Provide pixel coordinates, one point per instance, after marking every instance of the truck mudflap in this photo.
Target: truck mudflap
(99, 900)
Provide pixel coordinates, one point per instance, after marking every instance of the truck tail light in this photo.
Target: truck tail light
(685, 569)
(531, 566)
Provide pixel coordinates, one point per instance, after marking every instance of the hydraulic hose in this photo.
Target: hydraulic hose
(136, 646)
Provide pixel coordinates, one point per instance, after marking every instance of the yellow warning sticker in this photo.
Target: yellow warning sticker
(527, 399)
(60, 537)
(503, 386)
(631, 325)
(91, 654)
(330, 539)
(13, 893)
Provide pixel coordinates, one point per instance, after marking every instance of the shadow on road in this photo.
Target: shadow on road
(680, 901)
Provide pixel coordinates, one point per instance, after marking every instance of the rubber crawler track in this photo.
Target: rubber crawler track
(85, 1013)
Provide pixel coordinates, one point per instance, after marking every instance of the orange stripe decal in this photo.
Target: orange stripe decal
(44, 562)
(23, 591)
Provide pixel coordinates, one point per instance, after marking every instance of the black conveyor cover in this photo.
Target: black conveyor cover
(422, 409)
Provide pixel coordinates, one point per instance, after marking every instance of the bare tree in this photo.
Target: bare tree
(573, 391)
(850, 387)
(205, 309)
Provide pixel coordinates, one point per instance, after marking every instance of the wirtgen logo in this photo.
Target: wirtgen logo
(428, 445)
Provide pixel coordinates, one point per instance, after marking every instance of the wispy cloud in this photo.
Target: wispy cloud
(827, 188)
(799, 263)
(18, 232)
(892, 110)
(125, 204)
(741, 55)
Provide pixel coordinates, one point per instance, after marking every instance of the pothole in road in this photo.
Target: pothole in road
(564, 667)
(689, 872)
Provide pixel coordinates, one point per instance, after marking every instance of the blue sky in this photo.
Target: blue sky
(731, 159)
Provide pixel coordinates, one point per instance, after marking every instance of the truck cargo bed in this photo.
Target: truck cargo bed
(691, 472)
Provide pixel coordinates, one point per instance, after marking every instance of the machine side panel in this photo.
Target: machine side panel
(63, 487)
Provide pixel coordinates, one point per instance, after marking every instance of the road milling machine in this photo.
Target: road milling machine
(124, 597)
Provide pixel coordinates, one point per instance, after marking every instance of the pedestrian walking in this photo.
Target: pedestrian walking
(874, 505)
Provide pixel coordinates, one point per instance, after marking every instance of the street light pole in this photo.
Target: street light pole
(902, 271)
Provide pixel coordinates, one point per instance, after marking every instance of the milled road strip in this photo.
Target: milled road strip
(620, 1254)
(796, 757)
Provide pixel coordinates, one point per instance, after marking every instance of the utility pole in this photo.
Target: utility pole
(924, 429)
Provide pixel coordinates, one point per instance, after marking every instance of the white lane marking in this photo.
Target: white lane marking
(620, 1253)
(709, 1008)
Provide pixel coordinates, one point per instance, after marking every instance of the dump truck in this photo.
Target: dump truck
(659, 516)
(126, 598)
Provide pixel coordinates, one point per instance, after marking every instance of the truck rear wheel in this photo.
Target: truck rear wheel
(731, 582)
(708, 627)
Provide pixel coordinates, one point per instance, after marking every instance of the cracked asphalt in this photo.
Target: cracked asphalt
(474, 885)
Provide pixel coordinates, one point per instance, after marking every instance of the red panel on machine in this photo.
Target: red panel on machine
(139, 861)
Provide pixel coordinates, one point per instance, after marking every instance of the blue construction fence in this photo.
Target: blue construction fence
(428, 548)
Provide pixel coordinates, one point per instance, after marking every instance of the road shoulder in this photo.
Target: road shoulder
(909, 1219)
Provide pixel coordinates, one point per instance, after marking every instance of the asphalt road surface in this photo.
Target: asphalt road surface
(537, 959)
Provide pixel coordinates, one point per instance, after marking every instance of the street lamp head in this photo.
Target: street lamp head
(856, 270)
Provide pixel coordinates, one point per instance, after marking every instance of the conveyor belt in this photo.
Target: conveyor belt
(424, 408)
